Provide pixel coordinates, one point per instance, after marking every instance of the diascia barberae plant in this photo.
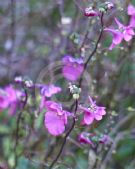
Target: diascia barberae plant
(75, 120)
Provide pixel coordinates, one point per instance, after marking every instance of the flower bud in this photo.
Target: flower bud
(18, 79)
(28, 83)
(76, 96)
(90, 12)
(109, 5)
(75, 91)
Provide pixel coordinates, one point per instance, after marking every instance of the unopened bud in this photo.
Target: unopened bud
(75, 91)
(28, 83)
(18, 79)
(109, 5)
(76, 96)
(89, 12)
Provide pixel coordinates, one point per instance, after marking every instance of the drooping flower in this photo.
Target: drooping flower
(84, 138)
(122, 32)
(55, 118)
(131, 12)
(93, 112)
(72, 67)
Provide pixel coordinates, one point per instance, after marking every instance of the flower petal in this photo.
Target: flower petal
(120, 25)
(127, 37)
(98, 116)
(54, 123)
(73, 67)
(101, 111)
(112, 46)
(131, 9)
(88, 118)
(132, 21)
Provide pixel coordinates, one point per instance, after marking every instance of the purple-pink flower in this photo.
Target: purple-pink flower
(131, 12)
(55, 118)
(84, 138)
(9, 98)
(122, 32)
(72, 67)
(93, 112)
(49, 90)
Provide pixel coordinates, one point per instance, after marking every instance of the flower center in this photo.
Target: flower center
(121, 29)
(92, 108)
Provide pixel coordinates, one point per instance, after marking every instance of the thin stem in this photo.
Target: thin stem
(17, 128)
(66, 136)
(94, 50)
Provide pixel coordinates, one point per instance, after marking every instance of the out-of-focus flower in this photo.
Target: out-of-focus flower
(93, 112)
(49, 90)
(123, 32)
(9, 99)
(84, 138)
(105, 139)
(55, 118)
(89, 12)
(117, 37)
(127, 31)
(13, 97)
(131, 12)
(131, 9)
(72, 67)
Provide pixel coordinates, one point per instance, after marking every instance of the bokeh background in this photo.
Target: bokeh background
(34, 36)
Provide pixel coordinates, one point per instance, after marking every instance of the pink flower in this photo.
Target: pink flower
(55, 118)
(131, 9)
(90, 12)
(73, 67)
(123, 32)
(13, 97)
(49, 90)
(93, 112)
(9, 98)
(131, 12)
(84, 138)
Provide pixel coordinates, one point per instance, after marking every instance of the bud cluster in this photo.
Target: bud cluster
(90, 11)
(25, 81)
(75, 91)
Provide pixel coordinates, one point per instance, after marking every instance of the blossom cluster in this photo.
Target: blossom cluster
(122, 31)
